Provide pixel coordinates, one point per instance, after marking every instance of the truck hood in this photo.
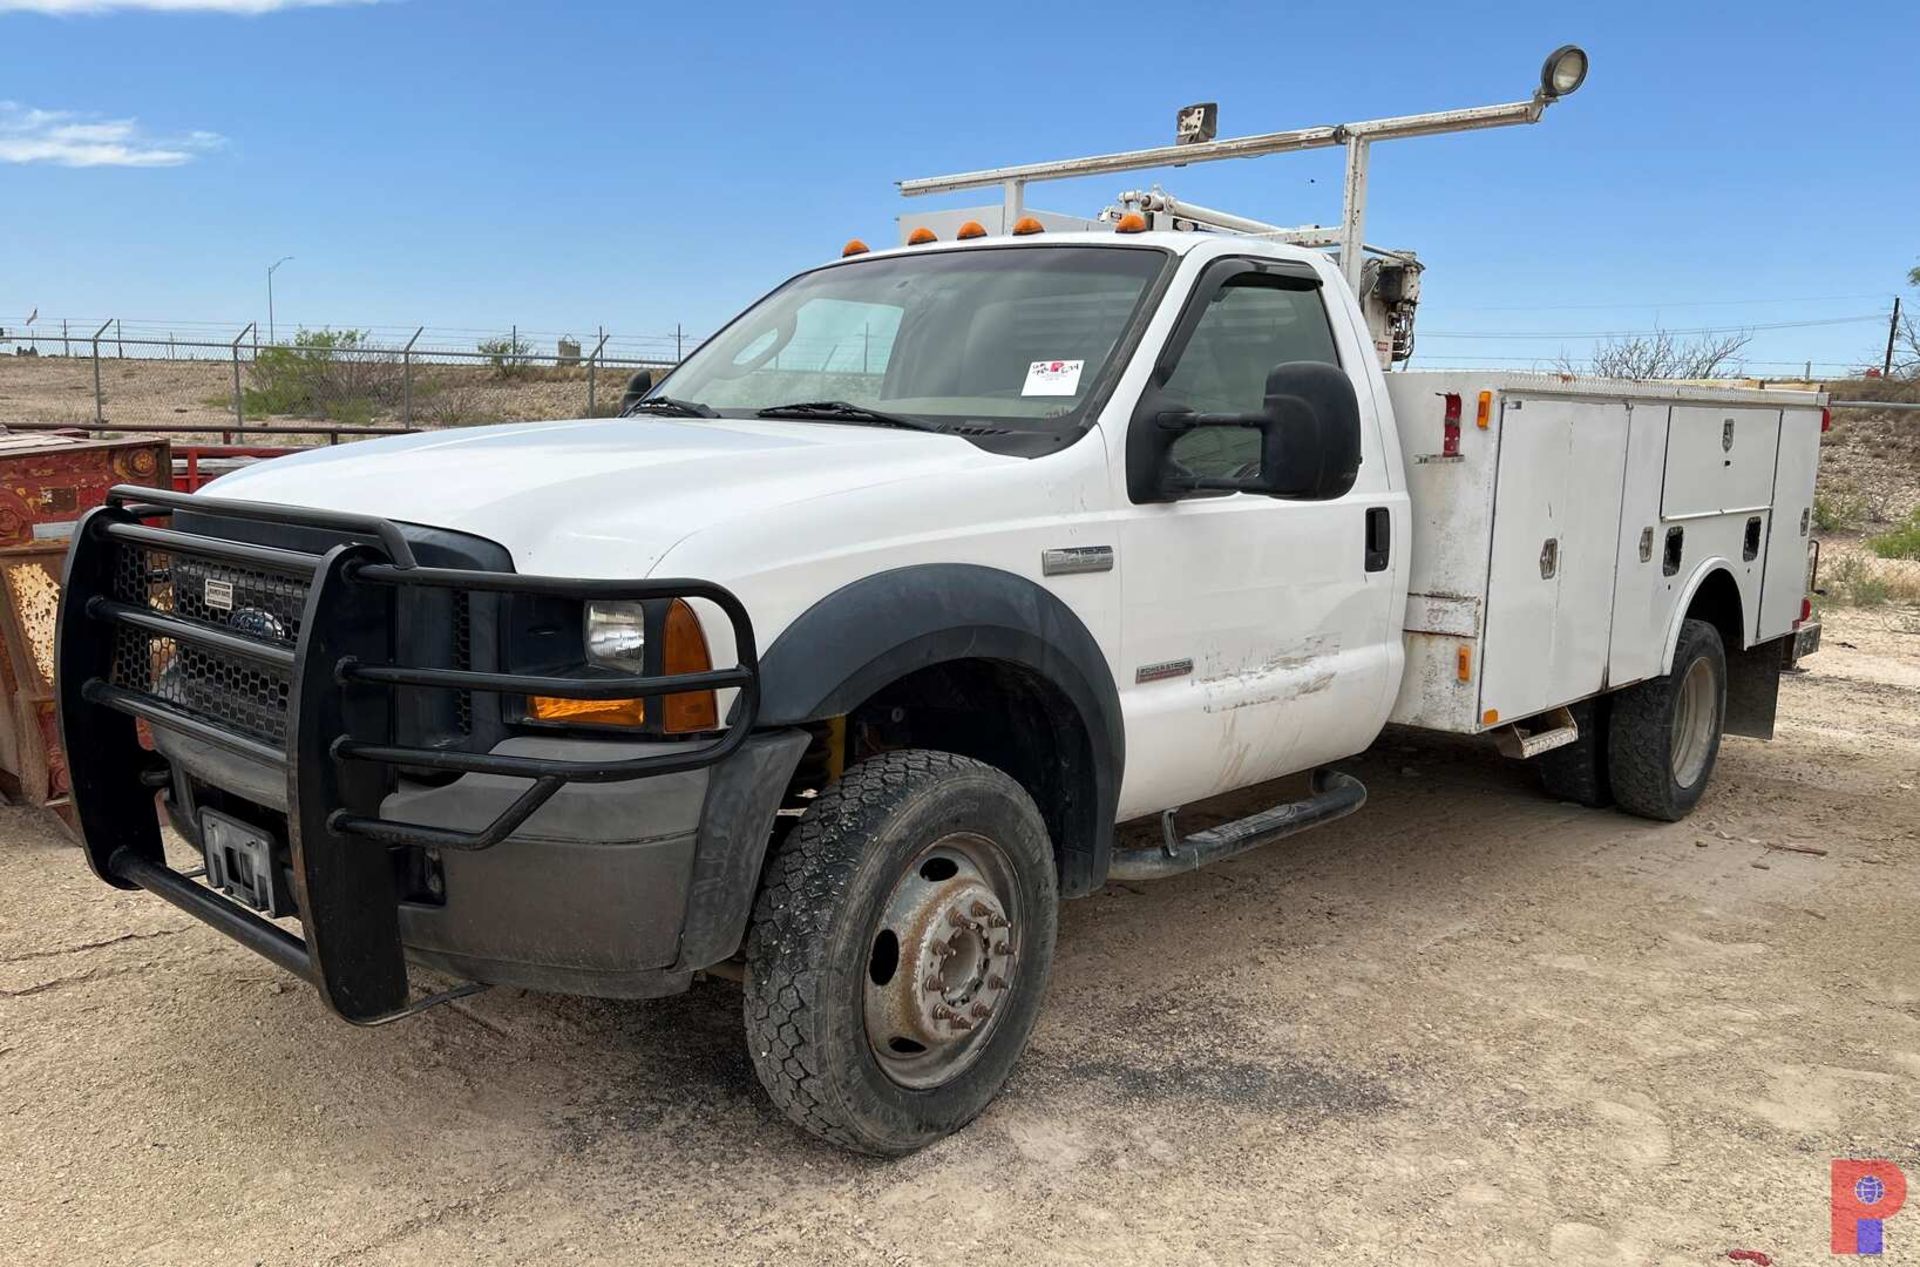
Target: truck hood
(598, 497)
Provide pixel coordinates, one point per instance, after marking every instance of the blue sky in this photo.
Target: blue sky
(467, 164)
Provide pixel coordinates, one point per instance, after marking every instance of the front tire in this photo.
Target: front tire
(1663, 735)
(900, 951)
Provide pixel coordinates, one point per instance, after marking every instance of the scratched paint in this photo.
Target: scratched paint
(1288, 674)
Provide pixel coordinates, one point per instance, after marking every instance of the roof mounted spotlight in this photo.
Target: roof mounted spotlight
(1565, 70)
(1196, 124)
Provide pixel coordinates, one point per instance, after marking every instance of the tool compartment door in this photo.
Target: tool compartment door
(1720, 460)
(1556, 525)
(1784, 582)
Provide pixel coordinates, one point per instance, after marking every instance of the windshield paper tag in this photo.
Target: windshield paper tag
(1052, 378)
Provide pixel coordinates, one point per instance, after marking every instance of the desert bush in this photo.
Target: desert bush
(1850, 582)
(1838, 511)
(325, 373)
(508, 356)
(1903, 542)
(450, 402)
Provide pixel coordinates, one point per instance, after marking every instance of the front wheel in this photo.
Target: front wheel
(1663, 735)
(900, 950)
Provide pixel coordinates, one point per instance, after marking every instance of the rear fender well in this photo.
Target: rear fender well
(871, 633)
(1702, 583)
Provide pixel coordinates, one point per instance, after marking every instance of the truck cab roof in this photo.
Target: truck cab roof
(1176, 242)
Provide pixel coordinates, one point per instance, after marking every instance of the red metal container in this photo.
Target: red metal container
(47, 481)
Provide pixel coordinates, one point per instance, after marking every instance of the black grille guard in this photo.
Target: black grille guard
(339, 758)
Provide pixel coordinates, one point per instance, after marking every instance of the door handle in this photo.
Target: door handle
(1379, 538)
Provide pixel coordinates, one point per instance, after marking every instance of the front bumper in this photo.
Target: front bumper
(330, 674)
(618, 890)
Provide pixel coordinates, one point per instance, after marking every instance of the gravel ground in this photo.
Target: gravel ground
(1469, 1025)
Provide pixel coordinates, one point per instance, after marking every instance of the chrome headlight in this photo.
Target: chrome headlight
(616, 636)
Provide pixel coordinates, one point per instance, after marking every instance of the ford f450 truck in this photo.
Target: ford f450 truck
(834, 664)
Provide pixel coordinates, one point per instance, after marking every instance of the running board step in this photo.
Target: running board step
(1335, 796)
(1532, 736)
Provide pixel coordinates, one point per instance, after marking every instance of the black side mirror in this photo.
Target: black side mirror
(639, 385)
(1309, 427)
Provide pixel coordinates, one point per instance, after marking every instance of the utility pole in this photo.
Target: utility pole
(677, 354)
(1893, 328)
(276, 264)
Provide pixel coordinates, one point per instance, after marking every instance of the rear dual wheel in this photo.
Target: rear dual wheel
(1663, 736)
(900, 950)
(1650, 748)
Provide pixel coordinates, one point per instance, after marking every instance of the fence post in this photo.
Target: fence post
(98, 405)
(66, 349)
(593, 364)
(117, 339)
(406, 381)
(239, 412)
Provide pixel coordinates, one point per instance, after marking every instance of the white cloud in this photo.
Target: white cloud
(68, 139)
(166, 6)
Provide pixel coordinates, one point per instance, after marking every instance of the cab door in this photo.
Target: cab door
(1260, 635)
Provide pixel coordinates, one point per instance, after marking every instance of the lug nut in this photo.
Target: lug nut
(997, 921)
(1002, 948)
(997, 982)
(941, 949)
(982, 1011)
(980, 910)
(959, 1022)
(935, 985)
(941, 1012)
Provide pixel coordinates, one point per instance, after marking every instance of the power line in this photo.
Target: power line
(1629, 334)
(1644, 303)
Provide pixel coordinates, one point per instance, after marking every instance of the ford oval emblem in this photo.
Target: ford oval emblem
(258, 624)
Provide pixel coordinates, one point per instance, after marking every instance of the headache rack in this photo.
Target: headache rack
(298, 670)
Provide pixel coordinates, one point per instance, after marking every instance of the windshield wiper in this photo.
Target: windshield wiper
(669, 404)
(845, 411)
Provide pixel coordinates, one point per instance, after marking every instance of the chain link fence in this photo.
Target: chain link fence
(352, 380)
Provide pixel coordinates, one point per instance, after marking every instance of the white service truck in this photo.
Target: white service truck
(833, 664)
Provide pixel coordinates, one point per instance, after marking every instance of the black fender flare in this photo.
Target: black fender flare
(876, 630)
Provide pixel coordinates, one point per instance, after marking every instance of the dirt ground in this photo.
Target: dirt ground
(1469, 1025)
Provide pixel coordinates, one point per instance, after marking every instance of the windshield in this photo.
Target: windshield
(1015, 338)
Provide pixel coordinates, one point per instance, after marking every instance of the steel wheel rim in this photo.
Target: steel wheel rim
(942, 961)
(1695, 720)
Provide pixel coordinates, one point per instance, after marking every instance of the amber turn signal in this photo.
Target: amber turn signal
(971, 229)
(1027, 225)
(685, 651)
(1132, 222)
(854, 247)
(921, 236)
(593, 712)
